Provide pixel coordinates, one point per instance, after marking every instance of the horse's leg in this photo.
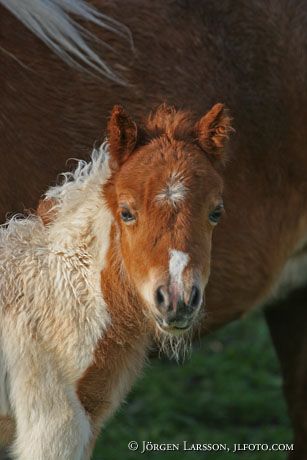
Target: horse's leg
(50, 421)
(96, 427)
(288, 326)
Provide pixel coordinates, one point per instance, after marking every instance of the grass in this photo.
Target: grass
(228, 392)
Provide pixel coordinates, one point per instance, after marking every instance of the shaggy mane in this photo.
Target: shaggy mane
(86, 174)
(176, 124)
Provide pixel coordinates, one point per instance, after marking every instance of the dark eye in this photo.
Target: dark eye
(216, 214)
(127, 216)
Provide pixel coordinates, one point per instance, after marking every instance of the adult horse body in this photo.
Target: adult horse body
(250, 55)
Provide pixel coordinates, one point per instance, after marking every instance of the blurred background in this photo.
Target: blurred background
(229, 391)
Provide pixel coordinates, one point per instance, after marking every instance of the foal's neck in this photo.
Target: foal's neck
(82, 219)
(84, 228)
(121, 351)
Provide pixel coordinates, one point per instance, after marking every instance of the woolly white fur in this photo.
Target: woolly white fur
(52, 313)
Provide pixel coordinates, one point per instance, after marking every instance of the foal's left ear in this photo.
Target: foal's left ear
(213, 131)
(122, 136)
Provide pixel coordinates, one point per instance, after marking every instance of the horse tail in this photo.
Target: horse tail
(52, 22)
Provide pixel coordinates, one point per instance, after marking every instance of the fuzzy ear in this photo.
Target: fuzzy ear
(213, 131)
(122, 135)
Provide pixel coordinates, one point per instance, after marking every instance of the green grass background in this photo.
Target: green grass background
(229, 391)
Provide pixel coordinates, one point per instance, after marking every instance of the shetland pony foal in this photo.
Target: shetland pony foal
(118, 253)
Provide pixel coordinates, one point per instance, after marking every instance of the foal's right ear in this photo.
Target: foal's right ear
(122, 136)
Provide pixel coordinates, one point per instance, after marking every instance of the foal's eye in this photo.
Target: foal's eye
(127, 216)
(216, 214)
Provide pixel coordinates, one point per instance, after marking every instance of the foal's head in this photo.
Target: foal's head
(165, 193)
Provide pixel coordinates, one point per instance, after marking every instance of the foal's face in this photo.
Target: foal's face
(166, 197)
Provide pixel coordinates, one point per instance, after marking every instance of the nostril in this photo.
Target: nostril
(160, 297)
(194, 297)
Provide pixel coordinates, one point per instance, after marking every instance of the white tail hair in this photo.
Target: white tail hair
(51, 22)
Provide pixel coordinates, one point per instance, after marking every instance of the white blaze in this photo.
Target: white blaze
(177, 263)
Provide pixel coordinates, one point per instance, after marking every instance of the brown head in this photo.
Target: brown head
(165, 193)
